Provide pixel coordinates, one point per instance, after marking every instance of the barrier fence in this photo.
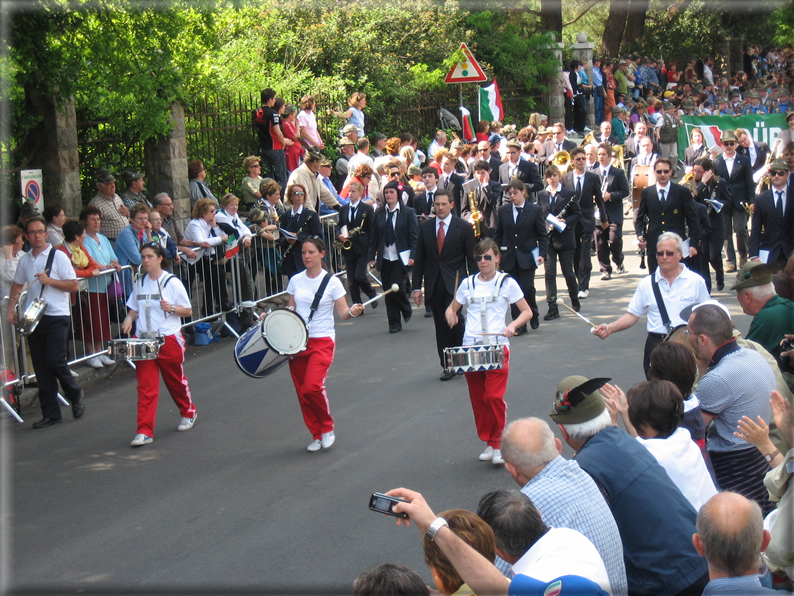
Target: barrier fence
(223, 291)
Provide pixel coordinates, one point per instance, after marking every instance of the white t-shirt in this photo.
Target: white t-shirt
(681, 458)
(303, 288)
(58, 303)
(495, 312)
(687, 289)
(146, 294)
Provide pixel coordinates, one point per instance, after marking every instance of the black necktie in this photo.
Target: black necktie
(430, 196)
(352, 214)
(553, 200)
(661, 197)
(779, 202)
(390, 229)
(579, 186)
(518, 212)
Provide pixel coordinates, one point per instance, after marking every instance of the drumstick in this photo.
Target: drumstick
(457, 279)
(46, 272)
(393, 288)
(561, 302)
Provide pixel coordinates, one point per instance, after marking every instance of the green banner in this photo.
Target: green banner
(763, 128)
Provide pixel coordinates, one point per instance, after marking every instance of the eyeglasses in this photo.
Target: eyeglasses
(728, 143)
(666, 253)
(483, 150)
(662, 171)
(479, 258)
(778, 173)
(36, 232)
(393, 174)
(580, 158)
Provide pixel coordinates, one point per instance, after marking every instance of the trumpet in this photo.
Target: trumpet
(476, 214)
(562, 159)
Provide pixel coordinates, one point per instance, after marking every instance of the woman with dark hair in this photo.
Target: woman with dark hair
(158, 302)
(303, 223)
(294, 153)
(481, 130)
(197, 174)
(55, 217)
(309, 368)
(494, 292)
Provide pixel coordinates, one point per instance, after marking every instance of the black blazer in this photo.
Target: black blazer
(549, 150)
(612, 140)
(690, 155)
(565, 240)
(677, 215)
(528, 173)
(488, 201)
(494, 161)
(438, 271)
(364, 213)
(405, 234)
(422, 206)
(632, 146)
(308, 222)
(721, 194)
(618, 189)
(769, 230)
(455, 186)
(762, 150)
(740, 182)
(591, 195)
(517, 239)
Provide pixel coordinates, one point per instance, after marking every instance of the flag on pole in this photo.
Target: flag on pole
(468, 127)
(491, 103)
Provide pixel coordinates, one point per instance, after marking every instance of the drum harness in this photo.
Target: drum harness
(147, 305)
(483, 300)
(317, 297)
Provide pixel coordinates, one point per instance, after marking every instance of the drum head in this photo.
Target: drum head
(285, 331)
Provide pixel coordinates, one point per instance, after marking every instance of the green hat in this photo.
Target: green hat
(789, 114)
(753, 94)
(778, 165)
(578, 400)
(728, 135)
(752, 274)
(722, 99)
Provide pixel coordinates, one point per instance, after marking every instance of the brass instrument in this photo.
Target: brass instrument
(562, 159)
(589, 138)
(348, 244)
(688, 181)
(618, 157)
(765, 179)
(476, 214)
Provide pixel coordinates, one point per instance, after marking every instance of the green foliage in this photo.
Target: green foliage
(783, 24)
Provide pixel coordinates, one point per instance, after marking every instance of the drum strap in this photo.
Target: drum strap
(48, 267)
(317, 297)
(483, 300)
(660, 304)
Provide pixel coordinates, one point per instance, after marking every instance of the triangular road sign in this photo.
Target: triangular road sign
(467, 71)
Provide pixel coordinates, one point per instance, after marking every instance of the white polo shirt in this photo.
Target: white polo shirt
(687, 289)
(58, 302)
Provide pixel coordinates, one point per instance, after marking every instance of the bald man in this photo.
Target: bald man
(565, 495)
(731, 535)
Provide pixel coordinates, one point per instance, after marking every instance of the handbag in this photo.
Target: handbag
(600, 91)
(117, 301)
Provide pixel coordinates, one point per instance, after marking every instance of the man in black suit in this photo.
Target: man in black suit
(392, 246)
(632, 146)
(485, 153)
(487, 198)
(355, 220)
(755, 152)
(712, 192)
(772, 229)
(587, 187)
(614, 188)
(555, 144)
(451, 181)
(738, 171)
(516, 168)
(423, 201)
(666, 207)
(520, 229)
(299, 220)
(445, 251)
(562, 204)
(606, 135)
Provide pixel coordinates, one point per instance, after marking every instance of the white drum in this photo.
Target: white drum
(474, 358)
(267, 345)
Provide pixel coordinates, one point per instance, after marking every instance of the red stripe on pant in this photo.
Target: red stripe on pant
(168, 362)
(309, 369)
(486, 391)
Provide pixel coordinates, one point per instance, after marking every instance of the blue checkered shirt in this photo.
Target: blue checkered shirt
(745, 585)
(567, 497)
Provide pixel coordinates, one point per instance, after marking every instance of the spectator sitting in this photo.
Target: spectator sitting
(197, 174)
(134, 193)
(131, 239)
(325, 175)
(55, 218)
(251, 181)
(389, 579)
(439, 142)
(731, 535)
(160, 236)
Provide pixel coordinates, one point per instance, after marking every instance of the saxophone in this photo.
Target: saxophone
(348, 244)
(476, 214)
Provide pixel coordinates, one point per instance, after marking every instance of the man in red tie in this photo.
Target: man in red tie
(444, 253)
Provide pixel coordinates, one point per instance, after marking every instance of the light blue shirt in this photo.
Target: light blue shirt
(103, 254)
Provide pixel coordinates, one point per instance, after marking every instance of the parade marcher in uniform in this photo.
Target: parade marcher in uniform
(309, 368)
(356, 221)
(772, 231)
(157, 302)
(487, 295)
(614, 188)
(301, 221)
(711, 191)
(48, 273)
(487, 198)
(697, 148)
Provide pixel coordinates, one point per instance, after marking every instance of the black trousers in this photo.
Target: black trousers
(526, 281)
(48, 353)
(393, 272)
(653, 340)
(445, 337)
(566, 264)
(582, 261)
(357, 278)
(609, 242)
(735, 222)
(214, 277)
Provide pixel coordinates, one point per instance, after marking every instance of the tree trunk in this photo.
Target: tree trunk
(615, 25)
(551, 16)
(635, 24)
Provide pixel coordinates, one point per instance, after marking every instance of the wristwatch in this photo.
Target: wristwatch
(770, 456)
(433, 528)
(173, 308)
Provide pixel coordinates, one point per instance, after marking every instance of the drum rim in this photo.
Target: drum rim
(290, 315)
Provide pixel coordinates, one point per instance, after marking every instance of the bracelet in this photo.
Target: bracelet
(434, 528)
(607, 327)
(173, 308)
(770, 456)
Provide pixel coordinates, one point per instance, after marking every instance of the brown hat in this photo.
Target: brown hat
(722, 99)
(348, 129)
(542, 129)
(130, 176)
(346, 141)
(514, 145)
(414, 170)
(578, 400)
(728, 135)
(753, 273)
(256, 215)
(789, 114)
(325, 162)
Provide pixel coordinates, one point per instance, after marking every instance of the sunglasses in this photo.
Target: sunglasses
(580, 158)
(479, 258)
(298, 193)
(662, 171)
(778, 173)
(666, 253)
(728, 143)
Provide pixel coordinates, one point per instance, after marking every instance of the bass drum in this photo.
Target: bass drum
(678, 335)
(267, 345)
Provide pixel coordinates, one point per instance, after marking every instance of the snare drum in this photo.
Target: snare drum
(474, 358)
(135, 348)
(269, 343)
(678, 336)
(32, 316)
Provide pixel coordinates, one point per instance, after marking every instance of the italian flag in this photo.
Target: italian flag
(491, 103)
(468, 127)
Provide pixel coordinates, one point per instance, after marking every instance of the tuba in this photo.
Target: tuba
(562, 159)
(589, 138)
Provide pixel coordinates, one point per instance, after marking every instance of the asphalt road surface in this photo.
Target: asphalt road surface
(238, 505)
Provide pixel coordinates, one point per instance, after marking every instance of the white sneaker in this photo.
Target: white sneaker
(497, 457)
(487, 455)
(94, 362)
(106, 360)
(315, 445)
(584, 294)
(328, 439)
(141, 439)
(187, 423)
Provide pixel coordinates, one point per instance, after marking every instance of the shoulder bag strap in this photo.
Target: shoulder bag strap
(660, 303)
(48, 267)
(318, 296)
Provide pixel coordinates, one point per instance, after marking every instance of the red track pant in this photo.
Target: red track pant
(486, 391)
(169, 362)
(309, 369)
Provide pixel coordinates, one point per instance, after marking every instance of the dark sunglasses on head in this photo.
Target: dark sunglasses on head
(665, 253)
(479, 258)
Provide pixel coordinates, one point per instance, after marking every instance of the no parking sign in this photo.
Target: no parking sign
(30, 182)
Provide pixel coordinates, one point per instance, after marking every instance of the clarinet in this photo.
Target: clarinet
(560, 215)
(298, 233)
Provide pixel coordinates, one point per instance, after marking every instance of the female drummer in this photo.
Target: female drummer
(309, 368)
(157, 302)
(494, 291)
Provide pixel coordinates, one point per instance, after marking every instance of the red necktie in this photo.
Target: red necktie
(441, 236)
